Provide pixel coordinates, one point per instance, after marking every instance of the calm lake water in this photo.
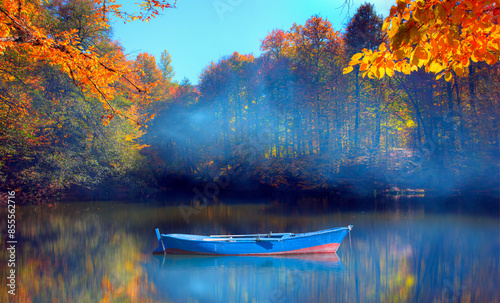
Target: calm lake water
(90, 252)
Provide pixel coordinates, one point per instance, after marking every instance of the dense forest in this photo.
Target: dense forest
(318, 110)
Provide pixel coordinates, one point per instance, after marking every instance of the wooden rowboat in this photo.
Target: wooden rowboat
(323, 241)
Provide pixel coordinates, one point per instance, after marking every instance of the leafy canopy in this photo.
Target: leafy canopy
(24, 32)
(441, 36)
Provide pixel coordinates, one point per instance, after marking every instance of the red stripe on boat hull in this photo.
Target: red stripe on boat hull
(320, 249)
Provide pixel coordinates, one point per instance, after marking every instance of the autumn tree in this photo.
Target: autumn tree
(317, 56)
(150, 77)
(64, 16)
(24, 30)
(166, 67)
(276, 44)
(62, 82)
(362, 32)
(277, 71)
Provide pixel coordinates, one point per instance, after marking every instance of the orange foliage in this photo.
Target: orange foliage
(93, 72)
(148, 9)
(440, 36)
(277, 43)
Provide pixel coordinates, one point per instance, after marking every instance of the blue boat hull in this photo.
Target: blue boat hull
(325, 241)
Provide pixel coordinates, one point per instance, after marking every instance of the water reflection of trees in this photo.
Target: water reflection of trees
(431, 259)
(75, 254)
(77, 258)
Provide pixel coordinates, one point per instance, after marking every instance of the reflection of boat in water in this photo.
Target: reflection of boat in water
(299, 261)
(211, 278)
(324, 241)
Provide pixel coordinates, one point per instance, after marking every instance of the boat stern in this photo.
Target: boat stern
(161, 247)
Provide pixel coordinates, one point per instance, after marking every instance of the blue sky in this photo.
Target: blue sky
(198, 32)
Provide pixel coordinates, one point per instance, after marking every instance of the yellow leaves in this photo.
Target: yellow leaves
(447, 76)
(386, 25)
(356, 56)
(374, 64)
(410, 123)
(370, 56)
(406, 68)
(406, 14)
(141, 146)
(435, 67)
(389, 72)
(130, 137)
(440, 35)
(495, 43)
(392, 30)
(355, 60)
(380, 72)
(347, 70)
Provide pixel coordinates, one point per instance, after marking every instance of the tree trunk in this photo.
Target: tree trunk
(356, 121)
(460, 114)
(449, 119)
